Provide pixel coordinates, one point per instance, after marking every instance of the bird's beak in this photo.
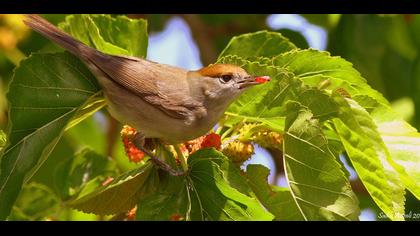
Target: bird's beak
(253, 80)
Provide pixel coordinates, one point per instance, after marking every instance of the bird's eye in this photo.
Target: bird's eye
(225, 78)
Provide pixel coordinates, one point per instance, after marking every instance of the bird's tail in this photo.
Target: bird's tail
(50, 31)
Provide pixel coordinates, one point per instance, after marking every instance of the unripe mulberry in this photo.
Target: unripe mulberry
(238, 151)
(268, 139)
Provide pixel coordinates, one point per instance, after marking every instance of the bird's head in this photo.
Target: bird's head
(222, 83)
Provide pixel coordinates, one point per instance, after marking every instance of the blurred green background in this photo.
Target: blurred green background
(384, 48)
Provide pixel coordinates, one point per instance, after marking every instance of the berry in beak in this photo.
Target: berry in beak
(251, 80)
(262, 79)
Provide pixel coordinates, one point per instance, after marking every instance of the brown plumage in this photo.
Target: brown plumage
(160, 101)
(218, 70)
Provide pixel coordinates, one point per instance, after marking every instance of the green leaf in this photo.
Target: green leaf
(213, 190)
(62, 152)
(278, 201)
(258, 44)
(36, 202)
(262, 103)
(403, 143)
(221, 191)
(73, 174)
(170, 200)
(318, 185)
(118, 36)
(46, 93)
(338, 72)
(370, 157)
(120, 195)
(341, 74)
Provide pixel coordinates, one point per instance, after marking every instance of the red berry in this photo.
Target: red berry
(211, 140)
(262, 79)
(176, 217)
(133, 153)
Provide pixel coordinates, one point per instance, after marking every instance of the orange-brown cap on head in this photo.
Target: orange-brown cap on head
(218, 70)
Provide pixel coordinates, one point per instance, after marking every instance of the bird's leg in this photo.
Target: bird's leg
(139, 140)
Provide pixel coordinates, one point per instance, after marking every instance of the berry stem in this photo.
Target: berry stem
(232, 129)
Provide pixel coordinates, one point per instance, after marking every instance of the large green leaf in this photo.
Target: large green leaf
(403, 143)
(46, 93)
(118, 196)
(370, 157)
(277, 200)
(119, 35)
(317, 183)
(258, 44)
(222, 192)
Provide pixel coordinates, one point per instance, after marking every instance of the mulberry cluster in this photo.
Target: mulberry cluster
(268, 139)
(206, 141)
(133, 153)
(238, 151)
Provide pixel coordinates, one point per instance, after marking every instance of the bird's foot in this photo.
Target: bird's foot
(139, 141)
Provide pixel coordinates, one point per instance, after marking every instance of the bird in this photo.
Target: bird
(159, 100)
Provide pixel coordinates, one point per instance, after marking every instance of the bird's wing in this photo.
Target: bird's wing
(163, 86)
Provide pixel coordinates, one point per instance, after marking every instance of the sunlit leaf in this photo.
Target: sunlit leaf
(119, 35)
(370, 157)
(277, 200)
(258, 44)
(318, 185)
(403, 143)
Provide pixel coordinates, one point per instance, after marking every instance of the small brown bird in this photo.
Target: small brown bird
(160, 101)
